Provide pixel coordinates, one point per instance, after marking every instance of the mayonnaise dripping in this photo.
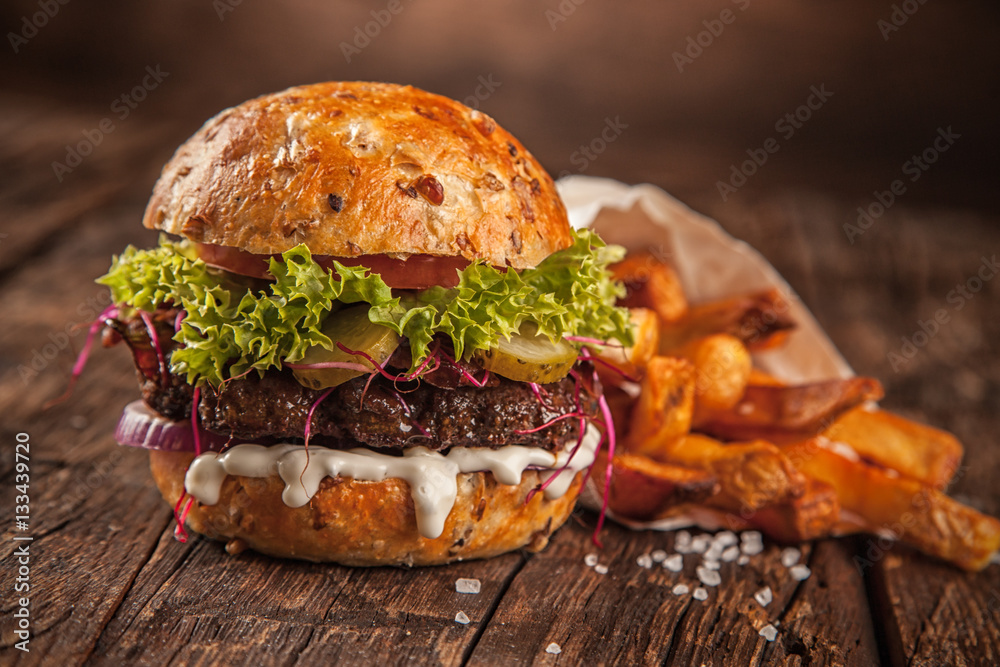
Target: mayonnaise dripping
(431, 475)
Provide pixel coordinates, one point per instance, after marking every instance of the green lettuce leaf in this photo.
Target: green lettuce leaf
(233, 325)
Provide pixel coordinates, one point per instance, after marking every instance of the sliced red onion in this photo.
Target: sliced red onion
(141, 426)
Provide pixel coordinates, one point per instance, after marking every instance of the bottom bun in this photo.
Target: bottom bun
(369, 523)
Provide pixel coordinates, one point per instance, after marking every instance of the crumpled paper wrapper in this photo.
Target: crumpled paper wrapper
(711, 265)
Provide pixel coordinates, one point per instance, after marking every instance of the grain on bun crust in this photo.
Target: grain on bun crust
(359, 168)
(370, 523)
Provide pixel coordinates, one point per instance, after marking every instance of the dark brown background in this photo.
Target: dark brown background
(556, 89)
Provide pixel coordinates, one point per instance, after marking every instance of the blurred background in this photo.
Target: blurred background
(779, 118)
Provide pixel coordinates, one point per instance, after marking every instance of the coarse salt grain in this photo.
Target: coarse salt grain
(680, 589)
(700, 544)
(726, 538)
(714, 552)
(711, 564)
(460, 617)
(752, 548)
(467, 586)
(743, 560)
(800, 572)
(790, 556)
(764, 596)
(731, 554)
(700, 594)
(553, 648)
(674, 563)
(590, 560)
(708, 577)
(683, 537)
(769, 632)
(601, 569)
(645, 560)
(658, 556)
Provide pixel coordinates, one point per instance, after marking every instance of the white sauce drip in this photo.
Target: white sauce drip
(432, 476)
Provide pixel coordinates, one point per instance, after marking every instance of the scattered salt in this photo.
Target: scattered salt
(467, 586)
(731, 554)
(751, 542)
(601, 569)
(726, 538)
(711, 564)
(700, 544)
(769, 632)
(764, 596)
(714, 552)
(800, 572)
(708, 577)
(590, 560)
(683, 537)
(790, 556)
(645, 560)
(460, 617)
(700, 594)
(743, 560)
(553, 648)
(674, 563)
(659, 556)
(405, 428)
(680, 589)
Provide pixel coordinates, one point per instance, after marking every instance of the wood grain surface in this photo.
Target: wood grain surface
(110, 584)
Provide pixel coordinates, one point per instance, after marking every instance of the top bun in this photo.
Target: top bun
(361, 168)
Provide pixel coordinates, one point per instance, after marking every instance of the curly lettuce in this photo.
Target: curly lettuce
(232, 325)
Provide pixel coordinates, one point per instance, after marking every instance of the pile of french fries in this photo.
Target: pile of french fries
(702, 432)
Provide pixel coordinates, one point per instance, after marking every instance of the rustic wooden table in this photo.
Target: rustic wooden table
(110, 585)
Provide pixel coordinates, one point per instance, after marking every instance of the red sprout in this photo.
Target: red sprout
(81, 359)
(194, 421)
(409, 413)
(309, 415)
(180, 516)
(181, 314)
(609, 431)
(155, 340)
(608, 364)
(549, 423)
(593, 341)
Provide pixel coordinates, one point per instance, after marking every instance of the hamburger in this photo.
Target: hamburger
(363, 337)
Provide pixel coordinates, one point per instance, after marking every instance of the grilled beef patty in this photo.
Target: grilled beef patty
(438, 412)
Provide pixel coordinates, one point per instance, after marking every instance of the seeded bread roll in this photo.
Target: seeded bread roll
(361, 168)
(369, 523)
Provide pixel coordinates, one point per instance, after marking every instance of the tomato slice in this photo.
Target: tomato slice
(415, 272)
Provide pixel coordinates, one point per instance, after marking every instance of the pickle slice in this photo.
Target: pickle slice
(528, 357)
(352, 328)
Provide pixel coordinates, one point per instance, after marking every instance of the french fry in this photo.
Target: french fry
(916, 451)
(651, 284)
(760, 320)
(810, 516)
(722, 370)
(913, 512)
(641, 488)
(663, 411)
(632, 360)
(786, 414)
(751, 475)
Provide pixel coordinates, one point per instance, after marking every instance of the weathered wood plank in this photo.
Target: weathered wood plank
(193, 604)
(90, 541)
